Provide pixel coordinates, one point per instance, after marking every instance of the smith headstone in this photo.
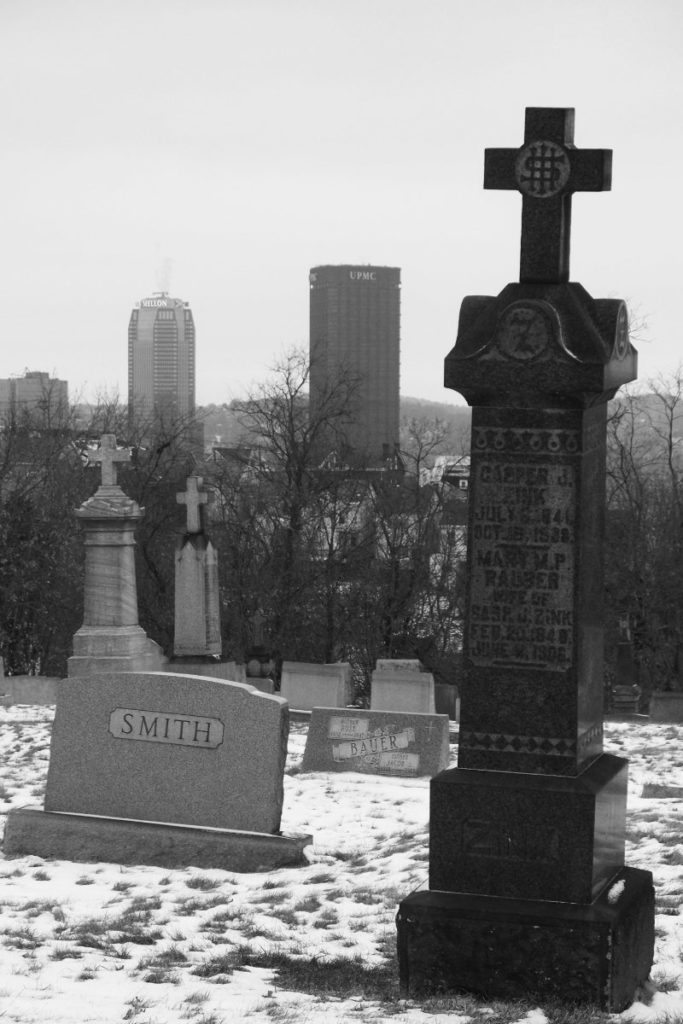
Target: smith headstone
(532, 819)
(164, 753)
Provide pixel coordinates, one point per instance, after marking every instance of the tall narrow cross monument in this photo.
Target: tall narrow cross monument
(197, 607)
(529, 895)
(111, 639)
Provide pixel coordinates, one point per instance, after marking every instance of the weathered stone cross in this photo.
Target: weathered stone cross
(108, 455)
(193, 498)
(547, 169)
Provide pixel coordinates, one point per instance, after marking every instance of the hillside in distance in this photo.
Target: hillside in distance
(221, 423)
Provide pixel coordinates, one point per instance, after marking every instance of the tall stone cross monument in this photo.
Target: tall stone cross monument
(528, 892)
(111, 639)
(197, 607)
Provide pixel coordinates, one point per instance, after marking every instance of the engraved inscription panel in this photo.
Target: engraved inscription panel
(522, 564)
(497, 840)
(166, 727)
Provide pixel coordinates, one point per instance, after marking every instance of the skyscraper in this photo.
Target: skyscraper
(355, 315)
(161, 357)
(35, 398)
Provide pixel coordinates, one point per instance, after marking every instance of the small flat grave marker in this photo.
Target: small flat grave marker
(376, 742)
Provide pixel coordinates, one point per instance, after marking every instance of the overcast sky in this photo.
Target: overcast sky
(226, 146)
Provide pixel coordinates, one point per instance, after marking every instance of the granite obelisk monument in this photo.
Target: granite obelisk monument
(528, 892)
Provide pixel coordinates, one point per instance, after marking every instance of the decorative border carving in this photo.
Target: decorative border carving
(509, 743)
(522, 441)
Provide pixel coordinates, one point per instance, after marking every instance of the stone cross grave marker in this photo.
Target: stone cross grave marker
(527, 833)
(111, 638)
(193, 498)
(547, 170)
(197, 600)
(108, 455)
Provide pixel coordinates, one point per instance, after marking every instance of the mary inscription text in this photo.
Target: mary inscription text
(522, 564)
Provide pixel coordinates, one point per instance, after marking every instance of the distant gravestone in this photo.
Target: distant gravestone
(145, 756)
(197, 606)
(666, 706)
(398, 665)
(528, 893)
(400, 686)
(376, 742)
(111, 639)
(306, 686)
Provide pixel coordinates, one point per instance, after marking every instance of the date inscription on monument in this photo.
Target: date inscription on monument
(522, 551)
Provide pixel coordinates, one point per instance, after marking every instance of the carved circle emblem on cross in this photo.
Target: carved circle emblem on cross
(524, 331)
(542, 169)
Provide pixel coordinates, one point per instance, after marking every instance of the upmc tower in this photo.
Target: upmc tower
(161, 356)
(355, 328)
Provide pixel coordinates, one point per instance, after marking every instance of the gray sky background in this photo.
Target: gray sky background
(237, 143)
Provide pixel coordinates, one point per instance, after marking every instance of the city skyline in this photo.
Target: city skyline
(218, 151)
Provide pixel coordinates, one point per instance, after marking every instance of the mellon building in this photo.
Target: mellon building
(355, 325)
(161, 356)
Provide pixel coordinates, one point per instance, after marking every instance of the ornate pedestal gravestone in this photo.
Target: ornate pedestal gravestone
(528, 890)
(111, 639)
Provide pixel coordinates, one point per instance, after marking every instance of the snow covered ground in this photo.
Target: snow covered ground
(104, 943)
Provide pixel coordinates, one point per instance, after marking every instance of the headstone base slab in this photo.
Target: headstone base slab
(92, 839)
(666, 706)
(597, 953)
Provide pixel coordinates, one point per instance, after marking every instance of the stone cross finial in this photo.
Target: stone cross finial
(193, 498)
(108, 455)
(547, 169)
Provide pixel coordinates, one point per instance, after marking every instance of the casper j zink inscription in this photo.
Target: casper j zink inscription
(522, 564)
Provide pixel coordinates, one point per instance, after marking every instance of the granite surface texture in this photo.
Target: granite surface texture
(508, 949)
(540, 837)
(163, 747)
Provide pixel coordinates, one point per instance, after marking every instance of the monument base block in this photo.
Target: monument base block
(524, 836)
(83, 837)
(597, 953)
(113, 649)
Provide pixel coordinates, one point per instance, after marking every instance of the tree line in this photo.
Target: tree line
(327, 558)
(324, 556)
